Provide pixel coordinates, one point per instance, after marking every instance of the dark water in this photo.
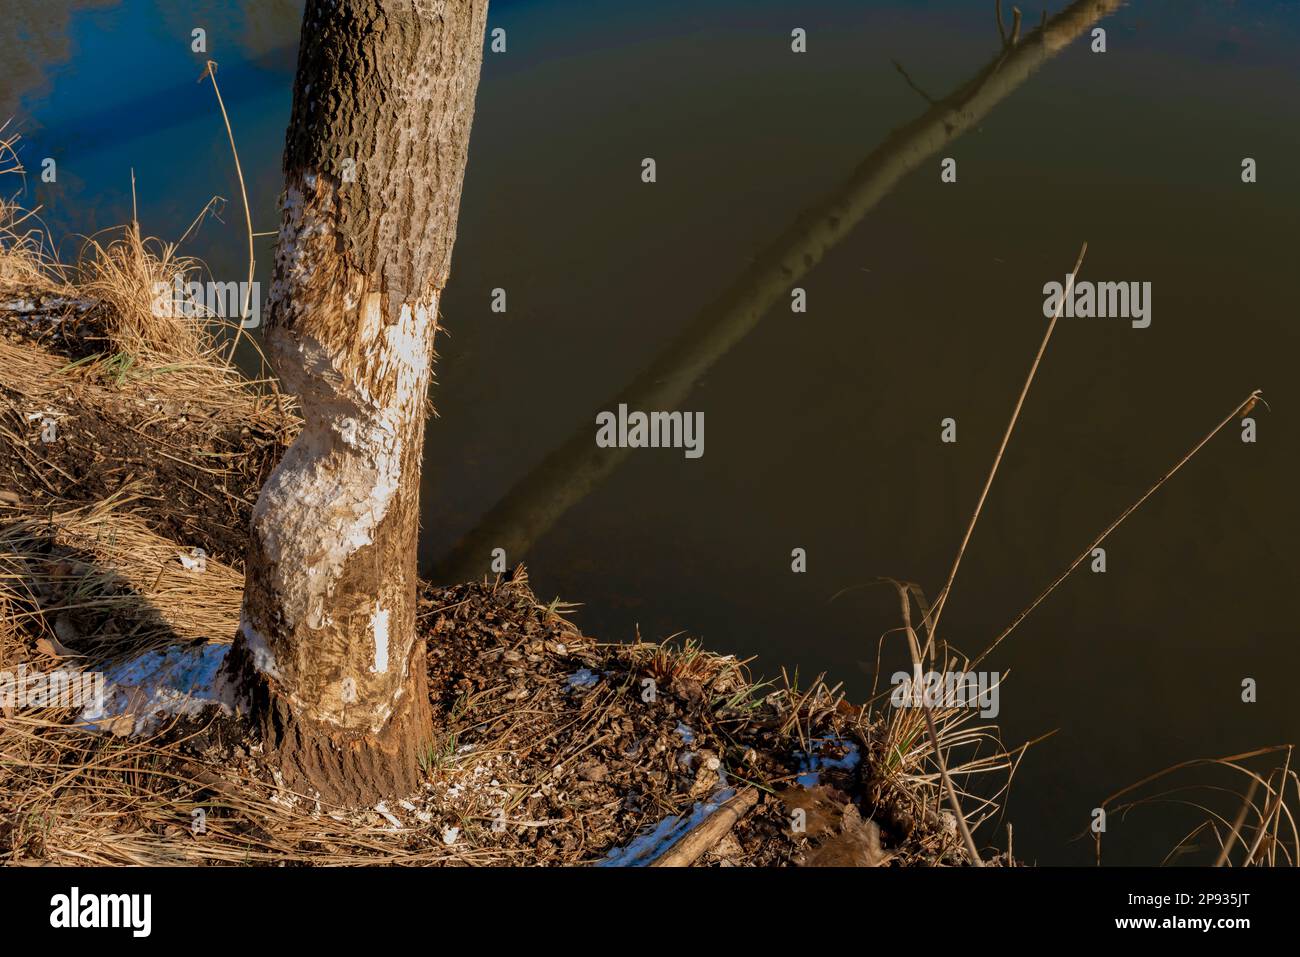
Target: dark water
(822, 429)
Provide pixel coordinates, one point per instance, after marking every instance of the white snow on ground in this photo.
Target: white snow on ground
(583, 678)
(388, 815)
(47, 303)
(644, 849)
(810, 765)
(195, 560)
(183, 680)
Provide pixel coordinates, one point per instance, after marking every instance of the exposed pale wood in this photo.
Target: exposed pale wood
(694, 843)
(374, 162)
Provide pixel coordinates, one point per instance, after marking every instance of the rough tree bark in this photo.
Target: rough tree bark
(374, 160)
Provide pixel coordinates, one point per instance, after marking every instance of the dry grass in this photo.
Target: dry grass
(72, 576)
(136, 393)
(925, 737)
(72, 797)
(922, 742)
(114, 285)
(84, 582)
(1247, 831)
(925, 756)
(87, 582)
(125, 272)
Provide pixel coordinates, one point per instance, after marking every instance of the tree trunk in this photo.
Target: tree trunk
(374, 160)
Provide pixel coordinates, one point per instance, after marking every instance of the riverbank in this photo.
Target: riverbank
(131, 453)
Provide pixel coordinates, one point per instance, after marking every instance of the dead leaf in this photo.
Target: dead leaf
(55, 648)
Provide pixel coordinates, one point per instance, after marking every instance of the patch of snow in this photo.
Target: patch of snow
(47, 304)
(648, 847)
(195, 560)
(424, 817)
(583, 678)
(388, 815)
(183, 680)
(811, 765)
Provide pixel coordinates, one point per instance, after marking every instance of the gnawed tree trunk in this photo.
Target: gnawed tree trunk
(374, 160)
